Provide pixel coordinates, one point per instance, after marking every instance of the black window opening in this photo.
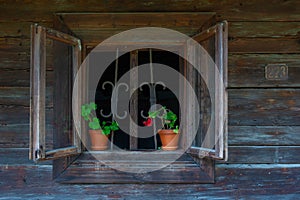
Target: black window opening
(164, 96)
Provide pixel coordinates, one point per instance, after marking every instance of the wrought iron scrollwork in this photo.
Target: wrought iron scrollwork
(152, 86)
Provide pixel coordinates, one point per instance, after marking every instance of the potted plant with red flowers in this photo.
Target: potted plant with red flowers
(99, 132)
(169, 134)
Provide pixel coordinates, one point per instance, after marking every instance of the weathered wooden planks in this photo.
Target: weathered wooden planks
(233, 182)
(12, 44)
(232, 10)
(94, 37)
(92, 27)
(257, 107)
(17, 136)
(264, 135)
(257, 115)
(12, 114)
(264, 154)
(14, 60)
(248, 70)
(244, 29)
(98, 21)
(264, 45)
(19, 29)
(96, 27)
(15, 53)
(20, 96)
(14, 126)
(87, 169)
(20, 78)
(17, 157)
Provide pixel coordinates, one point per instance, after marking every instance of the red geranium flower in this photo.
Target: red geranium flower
(148, 122)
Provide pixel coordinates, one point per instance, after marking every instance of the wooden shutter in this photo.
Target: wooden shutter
(66, 141)
(211, 143)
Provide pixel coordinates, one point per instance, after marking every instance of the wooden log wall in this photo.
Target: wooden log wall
(264, 115)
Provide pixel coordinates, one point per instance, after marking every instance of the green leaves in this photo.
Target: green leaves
(176, 130)
(106, 128)
(86, 110)
(168, 118)
(114, 126)
(95, 124)
(152, 114)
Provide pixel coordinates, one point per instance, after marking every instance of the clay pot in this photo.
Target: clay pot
(99, 141)
(169, 139)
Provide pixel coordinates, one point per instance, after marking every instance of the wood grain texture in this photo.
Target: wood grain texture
(21, 78)
(184, 170)
(263, 154)
(264, 45)
(17, 136)
(14, 60)
(232, 182)
(264, 121)
(19, 29)
(17, 157)
(263, 29)
(248, 70)
(13, 114)
(264, 135)
(271, 10)
(95, 27)
(103, 21)
(257, 107)
(21, 95)
(14, 44)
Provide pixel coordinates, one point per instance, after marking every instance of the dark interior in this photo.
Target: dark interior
(164, 96)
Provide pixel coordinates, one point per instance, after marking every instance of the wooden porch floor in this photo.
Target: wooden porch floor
(21, 179)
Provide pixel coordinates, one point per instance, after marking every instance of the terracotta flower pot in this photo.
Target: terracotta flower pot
(99, 141)
(169, 139)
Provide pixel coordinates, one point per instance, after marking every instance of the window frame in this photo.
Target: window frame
(220, 34)
(37, 105)
(37, 150)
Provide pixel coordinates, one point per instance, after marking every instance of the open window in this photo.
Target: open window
(211, 138)
(66, 59)
(73, 164)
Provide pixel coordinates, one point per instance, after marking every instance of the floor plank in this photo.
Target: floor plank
(233, 182)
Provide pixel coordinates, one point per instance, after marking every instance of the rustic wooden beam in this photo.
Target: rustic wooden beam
(263, 29)
(248, 70)
(61, 152)
(264, 135)
(183, 170)
(231, 10)
(19, 96)
(257, 45)
(261, 107)
(37, 93)
(263, 154)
